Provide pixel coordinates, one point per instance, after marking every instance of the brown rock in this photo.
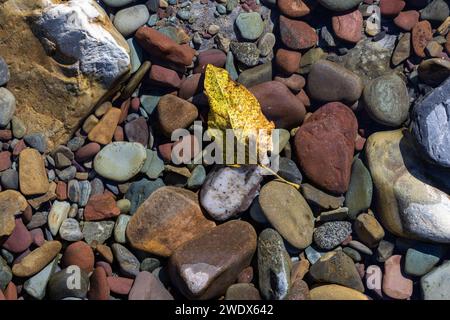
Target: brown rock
(368, 229)
(61, 191)
(147, 287)
(336, 292)
(294, 82)
(206, 266)
(105, 252)
(406, 20)
(175, 113)
(37, 260)
(87, 152)
(242, 291)
(297, 34)
(402, 50)
(293, 8)
(99, 287)
(421, 35)
(288, 61)
(80, 254)
(70, 95)
(246, 275)
(100, 207)
(391, 7)
(348, 26)
(160, 46)
(395, 285)
(325, 144)
(191, 86)
(11, 204)
(279, 104)
(32, 174)
(299, 291)
(170, 217)
(104, 130)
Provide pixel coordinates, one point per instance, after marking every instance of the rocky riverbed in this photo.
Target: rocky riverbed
(91, 195)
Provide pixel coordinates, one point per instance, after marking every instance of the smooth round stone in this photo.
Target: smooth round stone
(70, 230)
(124, 205)
(75, 143)
(150, 264)
(245, 52)
(436, 284)
(273, 265)
(296, 223)
(359, 194)
(7, 106)
(120, 228)
(153, 165)
(266, 44)
(79, 254)
(128, 20)
(339, 5)
(10, 179)
(117, 3)
(250, 25)
(58, 289)
(58, 213)
(242, 291)
(129, 265)
(37, 259)
(120, 161)
(386, 100)
(331, 234)
(336, 292)
(18, 128)
(421, 258)
(229, 191)
(4, 72)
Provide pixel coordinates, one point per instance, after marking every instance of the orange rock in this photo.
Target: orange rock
(170, 217)
(32, 174)
(104, 130)
(421, 35)
(99, 207)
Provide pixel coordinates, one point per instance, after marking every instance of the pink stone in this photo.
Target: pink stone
(120, 285)
(20, 240)
(348, 26)
(215, 57)
(395, 285)
(105, 265)
(147, 287)
(164, 77)
(38, 237)
(406, 20)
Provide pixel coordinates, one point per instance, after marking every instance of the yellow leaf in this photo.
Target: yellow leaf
(232, 106)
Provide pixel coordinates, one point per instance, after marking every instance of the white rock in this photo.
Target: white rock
(70, 230)
(120, 161)
(128, 20)
(117, 3)
(58, 213)
(74, 29)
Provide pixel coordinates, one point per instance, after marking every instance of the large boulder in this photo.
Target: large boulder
(411, 196)
(63, 58)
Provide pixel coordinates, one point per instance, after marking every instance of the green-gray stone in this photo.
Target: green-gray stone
(246, 53)
(437, 10)
(274, 266)
(250, 25)
(153, 165)
(253, 76)
(339, 5)
(140, 190)
(18, 128)
(352, 253)
(198, 176)
(435, 285)
(230, 67)
(120, 228)
(359, 195)
(5, 274)
(97, 231)
(150, 264)
(386, 100)
(36, 286)
(421, 258)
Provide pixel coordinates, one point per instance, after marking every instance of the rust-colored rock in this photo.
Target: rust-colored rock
(293, 8)
(104, 130)
(348, 26)
(406, 20)
(99, 287)
(100, 207)
(80, 254)
(297, 34)
(288, 61)
(421, 35)
(32, 174)
(170, 217)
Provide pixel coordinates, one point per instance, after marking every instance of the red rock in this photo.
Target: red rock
(297, 34)
(5, 135)
(421, 35)
(325, 145)
(119, 135)
(27, 214)
(164, 77)
(11, 292)
(165, 150)
(395, 285)
(294, 82)
(61, 191)
(215, 57)
(99, 287)
(191, 86)
(303, 97)
(20, 239)
(5, 160)
(406, 20)
(100, 207)
(246, 275)
(160, 46)
(120, 285)
(87, 152)
(147, 287)
(105, 265)
(79, 253)
(37, 236)
(348, 26)
(124, 107)
(287, 61)
(279, 104)
(19, 147)
(135, 104)
(293, 8)
(391, 7)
